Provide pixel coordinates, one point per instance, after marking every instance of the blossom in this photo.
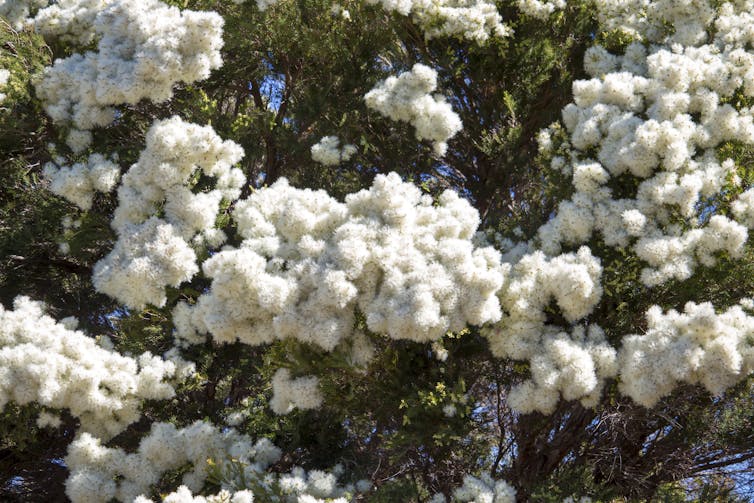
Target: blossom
(78, 182)
(17, 11)
(4, 76)
(697, 345)
(540, 10)
(175, 150)
(52, 364)
(172, 46)
(94, 468)
(658, 114)
(139, 267)
(153, 252)
(484, 489)
(472, 20)
(407, 98)
(307, 261)
(299, 393)
(100, 473)
(328, 151)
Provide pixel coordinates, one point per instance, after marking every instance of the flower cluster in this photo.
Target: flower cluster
(145, 259)
(4, 76)
(99, 473)
(476, 20)
(183, 495)
(697, 346)
(540, 10)
(144, 48)
(69, 20)
(77, 183)
(307, 262)
(659, 21)
(176, 152)
(655, 113)
(658, 114)
(571, 280)
(17, 11)
(407, 98)
(572, 365)
(328, 151)
(299, 393)
(153, 252)
(484, 489)
(58, 367)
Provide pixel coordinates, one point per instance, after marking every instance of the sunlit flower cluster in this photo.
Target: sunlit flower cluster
(540, 9)
(307, 262)
(153, 252)
(17, 11)
(183, 495)
(476, 20)
(407, 98)
(54, 365)
(658, 114)
(149, 257)
(641, 155)
(299, 393)
(696, 346)
(484, 489)
(100, 473)
(571, 280)
(144, 48)
(176, 152)
(69, 20)
(573, 366)
(328, 151)
(79, 182)
(4, 76)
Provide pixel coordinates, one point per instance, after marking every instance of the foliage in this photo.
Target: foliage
(414, 418)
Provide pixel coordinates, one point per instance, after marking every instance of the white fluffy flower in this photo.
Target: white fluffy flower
(77, 183)
(183, 495)
(659, 114)
(573, 366)
(17, 11)
(144, 48)
(47, 420)
(99, 473)
(151, 252)
(307, 261)
(743, 208)
(328, 151)
(407, 98)
(476, 20)
(697, 346)
(48, 363)
(540, 10)
(471, 19)
(78, 140)
(150, 257)
(4, 76)
(299, 393)
(484, 489)
(175, 150)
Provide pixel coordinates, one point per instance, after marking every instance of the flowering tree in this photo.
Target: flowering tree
(376, 251)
